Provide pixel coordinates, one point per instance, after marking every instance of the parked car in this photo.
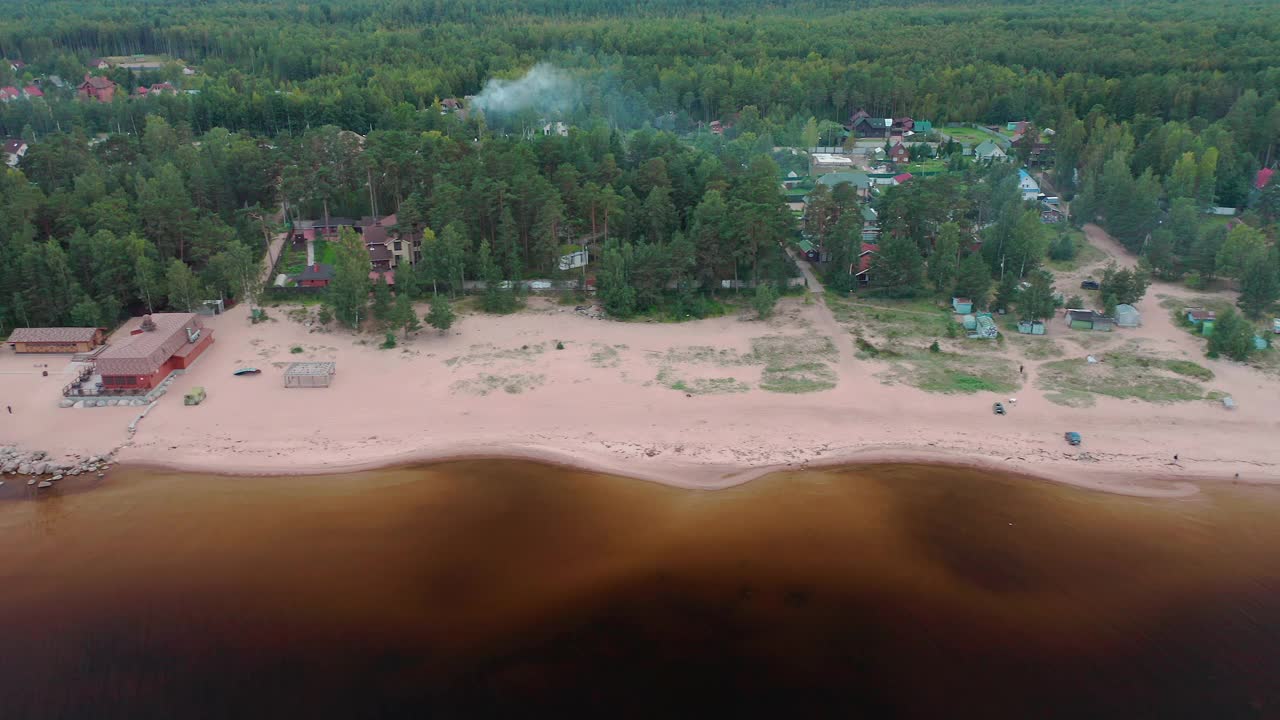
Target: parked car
(1090, 284)
(1072, 438)
(998, 408)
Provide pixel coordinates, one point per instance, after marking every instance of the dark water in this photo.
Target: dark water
(484, 589)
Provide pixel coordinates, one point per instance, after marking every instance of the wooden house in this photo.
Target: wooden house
(55, 339)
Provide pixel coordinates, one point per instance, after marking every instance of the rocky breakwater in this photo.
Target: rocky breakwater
(42, 471)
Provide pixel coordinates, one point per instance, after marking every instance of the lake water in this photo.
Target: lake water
(497, 588)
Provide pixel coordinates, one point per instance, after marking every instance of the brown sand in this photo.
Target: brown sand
(495, 386)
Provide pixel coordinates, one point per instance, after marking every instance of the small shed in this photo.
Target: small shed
(1031, 327)
(986, 329)
(970, 322)
(1089, 320)
(1197, 315)
(309, 374)
(1259, 343)
(962, 306)
(1275, 326)
(1128, 316)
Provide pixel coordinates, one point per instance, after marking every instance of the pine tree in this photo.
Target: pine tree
(944, 261)
(1232, 336)
(382, 299)
(1260, 285)
(404, 314)
(973, 280)
(441, 316)
(349, 290)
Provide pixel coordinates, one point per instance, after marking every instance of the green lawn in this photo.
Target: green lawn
(927, 166)
(966, 135)
(1086, 255)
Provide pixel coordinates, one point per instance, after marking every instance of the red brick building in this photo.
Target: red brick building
(163, 343)
(96, 88)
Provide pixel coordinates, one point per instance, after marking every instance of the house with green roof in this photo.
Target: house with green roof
(859, 180)
(989, 150)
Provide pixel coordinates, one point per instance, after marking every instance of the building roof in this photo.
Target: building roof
(375, 235)
(144, 352)
(1264, 177)
(1200, 314)
(987, 147)
(15, 146)
(379, 252)
(53, 334)
(33, 91)
(1087, 316)
(97, 82)
(857, 179)
(316, 271)
(902, 178)
(923, 126)
(8, 92)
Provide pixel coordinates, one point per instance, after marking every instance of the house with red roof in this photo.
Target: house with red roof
(17, 65)
(899, 179)
(161, 344)
(899, 153)
(31, 91)
(864, 262)
(1263, 177)
(8, 93)
(96, 87)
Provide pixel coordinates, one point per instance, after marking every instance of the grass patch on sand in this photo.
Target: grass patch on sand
(795, 363)
(605, 356)
(668, 378)
(791, 364)
(486, 354)
(1040, 348)
(511, 384)
(890, 320)
(1123, 375)
(946, 372)
(803, 377)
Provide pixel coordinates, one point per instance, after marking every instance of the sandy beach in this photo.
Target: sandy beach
(614, 399)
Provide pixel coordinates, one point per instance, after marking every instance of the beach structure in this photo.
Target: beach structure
(309, 374)
(162, 343)
(55, 340)
(1031, 327)
(1128, 316)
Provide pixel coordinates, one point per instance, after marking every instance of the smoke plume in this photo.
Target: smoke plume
(545, 89)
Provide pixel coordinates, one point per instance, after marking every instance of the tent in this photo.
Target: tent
(1128, 316)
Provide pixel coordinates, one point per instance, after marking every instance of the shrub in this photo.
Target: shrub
(389, 342)
(295, 349)
(325, 316)
(935, 348)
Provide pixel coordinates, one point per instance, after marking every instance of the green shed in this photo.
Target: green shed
(962, 306)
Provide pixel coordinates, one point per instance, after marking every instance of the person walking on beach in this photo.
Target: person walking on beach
(9, 408)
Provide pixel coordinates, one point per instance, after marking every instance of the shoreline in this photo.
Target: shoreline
(711, 477)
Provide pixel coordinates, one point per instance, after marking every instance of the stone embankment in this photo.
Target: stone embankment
(42, 471)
